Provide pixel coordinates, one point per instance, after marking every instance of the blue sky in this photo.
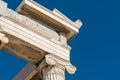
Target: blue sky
(95, 50)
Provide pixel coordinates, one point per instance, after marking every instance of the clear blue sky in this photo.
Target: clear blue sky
(95, 50)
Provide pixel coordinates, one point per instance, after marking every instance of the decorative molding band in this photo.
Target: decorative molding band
(17, 30)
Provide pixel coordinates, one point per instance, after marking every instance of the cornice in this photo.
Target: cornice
(54, 16)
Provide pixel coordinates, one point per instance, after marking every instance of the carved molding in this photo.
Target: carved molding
(54, 67)
(14, 29)
(53, 60)
(51, 72)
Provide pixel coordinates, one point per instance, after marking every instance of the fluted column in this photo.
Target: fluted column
(54, 68)
(56, 72)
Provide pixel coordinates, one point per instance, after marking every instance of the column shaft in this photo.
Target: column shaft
(56, 72)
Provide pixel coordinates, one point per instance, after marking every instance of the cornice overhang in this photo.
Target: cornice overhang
(55, 17)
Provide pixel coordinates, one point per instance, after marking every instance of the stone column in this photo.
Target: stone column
(56, 72)
(54, 68)
(3, 40)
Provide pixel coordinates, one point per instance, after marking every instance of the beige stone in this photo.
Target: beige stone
(38, 36)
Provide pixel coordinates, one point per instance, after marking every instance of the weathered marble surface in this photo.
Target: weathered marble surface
(39, 36)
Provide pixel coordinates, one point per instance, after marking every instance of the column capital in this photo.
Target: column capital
(3, 40)
(53, 60)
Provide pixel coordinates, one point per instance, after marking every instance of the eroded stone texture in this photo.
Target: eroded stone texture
(39, 36)
(54, 68)
(3, 40)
